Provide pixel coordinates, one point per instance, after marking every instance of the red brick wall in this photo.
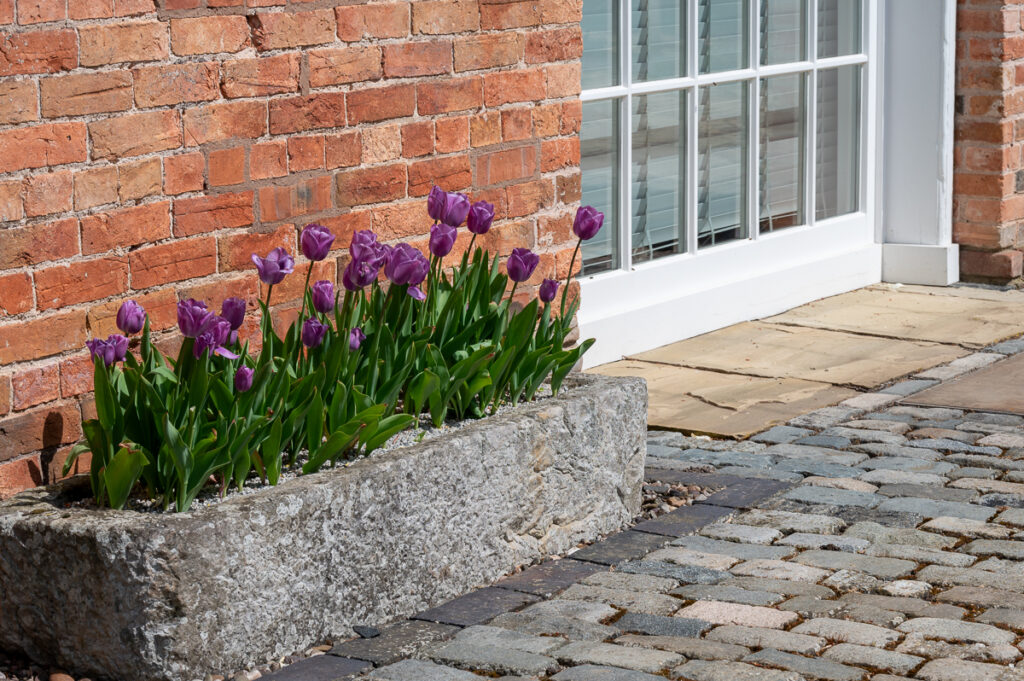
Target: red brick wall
(146, 151)
(988, 162)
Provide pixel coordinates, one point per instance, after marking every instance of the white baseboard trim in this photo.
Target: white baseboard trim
(923, 264)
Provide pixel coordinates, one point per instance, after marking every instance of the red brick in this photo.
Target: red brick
(95, 187)
(370, 185)
(485, 128)
(986, 265)
(76, 375)
(176, 83)
(224, 120)
(452, 134)
(40, 11)
(38, 52)
(138, 179)
(516, 124)
(561, 11)
(124, 8)
(41, 337)
(5, 394)
(33, 244)
(509, 15)
(174, 261)
(227, 167)
(39, 428)
(487, 51)
(126, 227)
(244, 285)
(161, 307)
(381, 143)
(457, 94)
(434, 17)
(303, 198)
(400, 220)
(560, 153)
(296, 114)
(36, 386)
(120, 137)
(259, 77)
(278, 30)
(80, 282)
(337, 66)
(10, 201)
(568, 188)
(268, 159)
(42, 145)
(183, 173)
(344, 226)
(122, 42)
(560, 44)
(382, 103)
(417, 139)
(343, 150)
(235, 250)
(563, 80)
(501, 166)
(529, 197)
(406, 60)
(209, 35)
(17, 476)
(6, 14)
(359, 22)
(85, 93)
(15, 295)
(208, 213)
(47, 194)
(18, 102)
(305, 153)
(451, 172)
(506, 87)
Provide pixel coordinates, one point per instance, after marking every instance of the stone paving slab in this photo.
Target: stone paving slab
(395, 642)
(549, 577)
(476, 607)
(996, 388)
(684, 520)
(621, 547)
(321, 668)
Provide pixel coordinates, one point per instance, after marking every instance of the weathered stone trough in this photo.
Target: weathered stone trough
(126, 595)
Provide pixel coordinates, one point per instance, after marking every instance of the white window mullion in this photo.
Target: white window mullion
(753, 121)
(811, 104)
(626, 139)
(690, 146)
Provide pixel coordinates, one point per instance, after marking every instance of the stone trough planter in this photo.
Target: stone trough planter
(124, 595)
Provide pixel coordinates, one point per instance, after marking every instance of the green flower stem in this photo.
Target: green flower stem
(568, 278)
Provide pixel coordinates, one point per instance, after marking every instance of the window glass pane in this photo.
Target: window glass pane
(838, 27)
(781, 153)
(600, 28)
(658, 30)
(599, 162)
(783, 27)
(658, 164)
(838, 141)
(722, 25)
(722, 163)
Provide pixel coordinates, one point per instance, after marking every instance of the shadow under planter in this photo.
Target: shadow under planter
(126, 595)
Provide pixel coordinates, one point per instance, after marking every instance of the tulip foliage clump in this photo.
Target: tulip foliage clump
(402, 339)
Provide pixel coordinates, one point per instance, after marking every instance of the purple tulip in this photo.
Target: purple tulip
(275, 266)
(406, 265)
(365, 247)
(481, 215)
(456, 209)
(521, 264)
(316, 241)
(212, 338)
(192, 316)
(131, 317)
(442, 239)
(112, 350)
(323, 296)
(243, 379)
(587, 223)
(359, 274)
(355, 338)
(436, 201)
(233, 310)
(548, 290)
(313, 333)
(417, 293)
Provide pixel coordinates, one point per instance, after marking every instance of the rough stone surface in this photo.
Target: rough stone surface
(876, 658)
(657, 625)
(719, 612)
(691, 648)
(755, 637)
(848, 632)
(590, 672)
(535, 481)
(807, 667)
(640, 659)
(702, 670)
(419, 670)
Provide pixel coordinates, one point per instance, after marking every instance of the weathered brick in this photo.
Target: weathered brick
(80, 282)
(501, 166)
(183, 173)
(39, 428)
(259, 77)
(16, 476)
(451, 172)
(38, 52)
(41, 11)
(487, 51)
(516, 125)
(138, 179)
(209, 213)
(505, 87)
(560, 44)
(305, 153)
(457, 94)
(41, 337)
(6, 15)
(563, 80)
(434, 17)
(235, 250)
(398, 220)
(278, 30)
(342, 150)
(417, 139)
(161, 307)
(48, 193)
(85, 93)
(209, 35)
(18, 102)
(42, 145)
(384, 20)
(509, 15)
(381, 143)
(15, 296)
(268, 159)
(174, 261)
(32, 387)
(119, 137)
(95, 187)
(560, 153)
(90, 9)
(126, 227)
(485, 128)
(370, 185)
(76, 374)
(122, 42)
(33, 244)
(224, 120)
(410, 59)
(302, 198)
(452, 134)
(381, 103)
(226, 167)
(177, 83)
(336, 66)
(11, 207)
(528, 197)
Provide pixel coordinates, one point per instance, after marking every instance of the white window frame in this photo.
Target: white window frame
(639, 306)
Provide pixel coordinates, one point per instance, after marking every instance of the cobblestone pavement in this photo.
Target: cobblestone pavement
(869, 540)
